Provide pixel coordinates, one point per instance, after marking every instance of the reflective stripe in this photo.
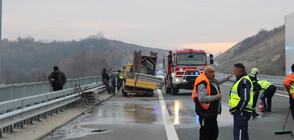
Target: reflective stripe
(234, 92)
(250, 106)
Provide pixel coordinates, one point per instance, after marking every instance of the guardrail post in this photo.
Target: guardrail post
(24, 90)
(12, 92)
(31, 121)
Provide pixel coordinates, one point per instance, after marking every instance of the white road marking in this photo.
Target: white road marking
(169, 127)
(282, 95)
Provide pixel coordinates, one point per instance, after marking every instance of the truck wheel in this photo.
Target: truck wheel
(167, 89)
(124, 93)
(174, 91)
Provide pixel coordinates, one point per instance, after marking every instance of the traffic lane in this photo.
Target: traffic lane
(182, 109)
(186, 121)
(117, 118)
(262, 127)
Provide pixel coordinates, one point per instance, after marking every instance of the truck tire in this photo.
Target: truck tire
(167, 89)
(174, 91)
(124, 93)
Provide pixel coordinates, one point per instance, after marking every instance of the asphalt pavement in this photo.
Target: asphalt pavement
(161, 117)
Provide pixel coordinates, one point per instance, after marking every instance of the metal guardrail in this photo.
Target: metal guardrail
(14, 113)
(276, 80)
(15, 91)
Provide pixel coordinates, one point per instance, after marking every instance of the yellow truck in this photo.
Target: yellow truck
(138, 83)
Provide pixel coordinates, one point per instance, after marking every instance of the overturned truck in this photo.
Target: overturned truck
(140, 76)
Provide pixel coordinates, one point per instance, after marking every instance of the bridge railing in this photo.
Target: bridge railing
(20, 90)
(17, 112)
(276, 80)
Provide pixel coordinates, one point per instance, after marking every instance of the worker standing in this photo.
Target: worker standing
(113, 79)
(207, 98)
(268, 90)
(120, 78)
(105, 80)
(256, 88)
(57, 79)
(289, 85)
(240, 102)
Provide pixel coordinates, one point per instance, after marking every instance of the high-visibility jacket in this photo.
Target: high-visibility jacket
(264, 84)
(206, 110)
(121, 74)
(292, 88)
(288, 81)
(200, 78)
(234, 98)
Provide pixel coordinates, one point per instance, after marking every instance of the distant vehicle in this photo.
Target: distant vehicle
(160, 73)
(182, 68)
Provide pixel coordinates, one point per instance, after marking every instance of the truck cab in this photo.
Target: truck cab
(182, 67)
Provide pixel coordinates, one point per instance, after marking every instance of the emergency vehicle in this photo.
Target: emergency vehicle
(182, 67)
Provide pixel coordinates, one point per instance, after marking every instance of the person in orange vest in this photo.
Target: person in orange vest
(289, 85)
(207, 98)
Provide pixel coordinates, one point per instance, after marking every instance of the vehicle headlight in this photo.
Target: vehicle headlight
(178, 80)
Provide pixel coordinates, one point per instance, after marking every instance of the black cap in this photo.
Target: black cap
(292, 67)
(55, 68)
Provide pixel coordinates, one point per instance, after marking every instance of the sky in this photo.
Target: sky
(212, 25)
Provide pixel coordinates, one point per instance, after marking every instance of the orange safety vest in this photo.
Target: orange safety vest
(200, 78)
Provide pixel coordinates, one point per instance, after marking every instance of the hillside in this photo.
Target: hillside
(27, 60)
(265, 51)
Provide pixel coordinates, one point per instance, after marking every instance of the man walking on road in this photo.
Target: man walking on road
(57, 79)
(240, 102)
(207, 98)
(289, 85)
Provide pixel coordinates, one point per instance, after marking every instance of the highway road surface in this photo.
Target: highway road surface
(168, 117)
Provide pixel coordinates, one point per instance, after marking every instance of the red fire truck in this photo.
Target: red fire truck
(182, 68)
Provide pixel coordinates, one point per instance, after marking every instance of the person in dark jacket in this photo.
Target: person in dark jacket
(240, 102)
(207, 97)
(113, 78)
(256, 88)
(105, 80)
(57, 79)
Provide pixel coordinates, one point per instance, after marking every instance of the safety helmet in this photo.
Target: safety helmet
(254, 71)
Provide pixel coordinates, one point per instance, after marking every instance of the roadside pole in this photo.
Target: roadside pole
(0, 39)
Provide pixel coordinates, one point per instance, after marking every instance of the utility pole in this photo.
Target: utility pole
(0, 39)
